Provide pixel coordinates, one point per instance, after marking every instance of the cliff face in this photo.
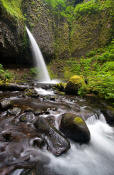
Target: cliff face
(40, 20)
(56, 37)
(12, 34)
(90, 32)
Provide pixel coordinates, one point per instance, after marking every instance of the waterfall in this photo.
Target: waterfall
(43, 74)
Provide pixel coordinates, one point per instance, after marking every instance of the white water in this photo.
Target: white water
(97, 158)
(38, 58)
(44, 92)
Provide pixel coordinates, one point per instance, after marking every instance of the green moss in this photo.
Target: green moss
(78, 120)
(92, 7)
(61, 86)
(13, 7)
(76, 79)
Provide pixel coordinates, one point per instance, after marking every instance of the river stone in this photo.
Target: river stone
(108, 112)
(13, 87)
(15, 111)
(5, 104)
(51, 120)
(27, 117)
(27, 172)
(31, 93)
(37, 141)
(74, 84)
(75, 128)
(57, 144)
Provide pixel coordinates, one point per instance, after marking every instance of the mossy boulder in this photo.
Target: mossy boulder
(75, 128)
(5, 104)
(31, 93)
(61, 86)
(74, 84)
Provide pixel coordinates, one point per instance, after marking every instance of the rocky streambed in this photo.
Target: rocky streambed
(39, 125)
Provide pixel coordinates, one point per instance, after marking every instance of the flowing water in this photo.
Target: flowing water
(95, 158)
(39, 60)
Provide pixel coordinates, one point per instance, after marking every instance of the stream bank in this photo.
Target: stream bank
(30, 136)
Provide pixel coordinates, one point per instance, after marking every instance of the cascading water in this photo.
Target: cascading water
(39, 60)
(97, 158)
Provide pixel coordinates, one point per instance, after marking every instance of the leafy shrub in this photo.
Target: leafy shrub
(5, 75)
(97, 69)
(13, 7)
(34, 71)
(93, 7)
(91, 53)
(86, 8)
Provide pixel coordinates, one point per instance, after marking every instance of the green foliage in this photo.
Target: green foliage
(34, 71)
(97, 69)
(86, 8)
(13, 7)
(5, 75)
(55, 3)
(92, 7)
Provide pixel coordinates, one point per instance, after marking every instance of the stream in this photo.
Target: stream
(22, 149)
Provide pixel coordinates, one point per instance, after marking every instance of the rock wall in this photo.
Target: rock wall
(40, 21)
(56, 37)
(90, 32)
(11, 39)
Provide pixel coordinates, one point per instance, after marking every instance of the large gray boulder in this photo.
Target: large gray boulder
(75, 128)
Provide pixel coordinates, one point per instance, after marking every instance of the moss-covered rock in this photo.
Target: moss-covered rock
(75, 128)
(61, 86)
(74, 84)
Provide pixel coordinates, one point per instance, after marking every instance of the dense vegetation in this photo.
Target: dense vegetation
(98, 70)
(97, 65)
(13, 8)
(5, 75)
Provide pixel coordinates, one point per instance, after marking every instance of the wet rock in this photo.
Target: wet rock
(37, 141)
(44, 108)
(15, 111)
(56, 143)
(61, 86)
(27, 117)
(32, 93)
(7, 136)
(74, 84)
(6, 170)
(3, 114)
(5, 104)
(13, 87)
(29, 109)
(51, 120)
(52, 98)
(108, 113)
(87, 112)
(75, 128)
(28, 172)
